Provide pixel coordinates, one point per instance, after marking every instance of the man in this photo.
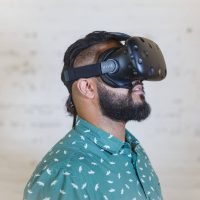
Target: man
(99, 159)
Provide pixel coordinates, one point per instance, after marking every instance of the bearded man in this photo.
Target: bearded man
(98, 159)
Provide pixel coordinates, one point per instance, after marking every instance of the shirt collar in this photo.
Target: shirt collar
(102, 138)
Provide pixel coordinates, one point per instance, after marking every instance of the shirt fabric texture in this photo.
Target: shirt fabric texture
(89, 163)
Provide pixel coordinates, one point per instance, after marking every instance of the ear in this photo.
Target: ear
(86, 87)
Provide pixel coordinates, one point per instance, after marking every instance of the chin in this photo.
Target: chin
(139, 99)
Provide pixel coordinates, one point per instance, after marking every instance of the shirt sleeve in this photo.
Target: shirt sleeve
(57, 184)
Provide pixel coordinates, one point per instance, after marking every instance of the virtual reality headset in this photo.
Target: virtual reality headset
(137, 59)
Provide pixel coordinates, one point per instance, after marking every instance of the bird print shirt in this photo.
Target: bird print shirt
(91, 164)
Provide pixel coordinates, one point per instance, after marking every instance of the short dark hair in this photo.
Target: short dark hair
(74, 51)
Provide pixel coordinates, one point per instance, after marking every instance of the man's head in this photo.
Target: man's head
(93, 94)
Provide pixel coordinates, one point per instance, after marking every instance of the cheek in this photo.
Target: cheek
(119, 91)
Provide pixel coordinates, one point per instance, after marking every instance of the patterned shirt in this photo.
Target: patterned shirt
(89, 163)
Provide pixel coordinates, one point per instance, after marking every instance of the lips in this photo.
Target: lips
(138, 89)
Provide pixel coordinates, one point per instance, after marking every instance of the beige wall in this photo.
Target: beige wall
(33, 38)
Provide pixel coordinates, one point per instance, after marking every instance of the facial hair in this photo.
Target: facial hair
(120, 107)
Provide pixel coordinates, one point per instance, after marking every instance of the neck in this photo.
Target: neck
(114, 128)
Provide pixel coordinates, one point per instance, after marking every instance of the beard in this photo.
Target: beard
(120, 107)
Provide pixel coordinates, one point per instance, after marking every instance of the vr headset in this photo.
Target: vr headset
(137, 59)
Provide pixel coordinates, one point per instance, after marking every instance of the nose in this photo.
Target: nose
(137, 82)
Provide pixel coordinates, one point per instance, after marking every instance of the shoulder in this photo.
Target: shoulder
(65, 178)
(61, 167)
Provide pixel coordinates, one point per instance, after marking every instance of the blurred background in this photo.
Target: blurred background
(33, 38)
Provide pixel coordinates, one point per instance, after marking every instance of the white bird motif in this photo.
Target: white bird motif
(110, 136)
(80, 169)
(108, 172)
(36, 175)
(121, 152)
(95, 140)
(122, 191)
(84, 186)
(93, 163)
(105, 197)
(74, 186)
(112, 190)
(109, 181)
(91, 172)
(30, 192)
(149, 178)
(40, 183)
(74, 142)
(106, 146)
(48, 171)
(96, 187)
(66, 173)
(82, 137)
(86, 146)
(53, 182)
(62, 192)
(57, 151)
(142, 180)
(127, 186)
(85, 196)
(86, 131)
(152, 188)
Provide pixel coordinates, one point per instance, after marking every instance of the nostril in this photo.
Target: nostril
(137, 82)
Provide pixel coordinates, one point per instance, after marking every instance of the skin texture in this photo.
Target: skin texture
(86, 99)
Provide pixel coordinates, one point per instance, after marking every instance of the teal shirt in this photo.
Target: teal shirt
(89, 163)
